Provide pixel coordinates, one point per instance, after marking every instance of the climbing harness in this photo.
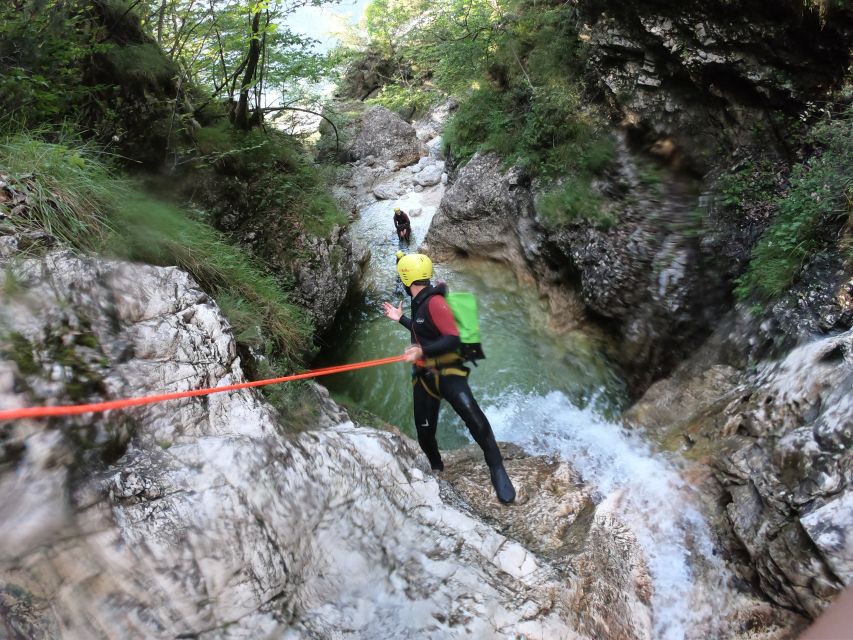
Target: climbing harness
(99, 407)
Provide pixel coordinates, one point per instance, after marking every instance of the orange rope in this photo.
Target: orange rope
(73, 410)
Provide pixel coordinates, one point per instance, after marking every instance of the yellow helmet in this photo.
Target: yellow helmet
(399, 254)
(414, 267)
(396, 209)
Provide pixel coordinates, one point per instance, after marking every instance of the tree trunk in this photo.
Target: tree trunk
(161, 15)
(241, 115)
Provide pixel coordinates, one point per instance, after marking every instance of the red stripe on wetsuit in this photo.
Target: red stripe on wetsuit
(442, 319)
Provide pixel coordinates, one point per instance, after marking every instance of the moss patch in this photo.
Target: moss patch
(20, 351)
(141, 63)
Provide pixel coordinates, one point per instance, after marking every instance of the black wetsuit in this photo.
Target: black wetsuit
(444, 376)
(402, 222)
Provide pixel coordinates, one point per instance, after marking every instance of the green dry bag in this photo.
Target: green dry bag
(464, 308)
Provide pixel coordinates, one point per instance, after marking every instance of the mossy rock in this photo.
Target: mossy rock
(141, 64)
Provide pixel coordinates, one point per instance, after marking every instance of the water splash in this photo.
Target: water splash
(656, 503)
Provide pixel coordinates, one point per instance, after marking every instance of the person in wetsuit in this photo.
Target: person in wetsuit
(438, 371)
(399, 291)
(403, 225)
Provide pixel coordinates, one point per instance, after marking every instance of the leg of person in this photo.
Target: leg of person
(427, 403)
(455, 389)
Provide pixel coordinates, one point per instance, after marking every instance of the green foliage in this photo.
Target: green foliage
(43, 44)
(573, 200)
(210, 43)
(650, 174)
(815, 205)
(545, 128)
(513, 65)
(751, 182)
(89, 64)
(20, 351)
(479, 121)
(547, 133)
(93, 210)
(282, 176)
(156, 232)
(448, 42)
(69, 189)
(9, 284)
(404, 99)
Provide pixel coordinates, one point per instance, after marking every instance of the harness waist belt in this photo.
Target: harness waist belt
(444, 360)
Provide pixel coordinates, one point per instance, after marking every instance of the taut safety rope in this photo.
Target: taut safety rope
(73, 410)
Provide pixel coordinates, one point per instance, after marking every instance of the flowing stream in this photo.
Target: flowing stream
(551, 394)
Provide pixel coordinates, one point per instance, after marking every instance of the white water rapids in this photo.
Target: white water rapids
(654, 501)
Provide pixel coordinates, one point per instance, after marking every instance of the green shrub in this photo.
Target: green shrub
(42, 46)
(815, 205)
(404, 99)
(76, 198)
(281, 175)
(752, 182)
(574, 200)
(479, 118)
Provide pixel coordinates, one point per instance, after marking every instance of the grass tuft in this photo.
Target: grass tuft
(69, 190)
(74, 196)
(573, 201)
(159, 233)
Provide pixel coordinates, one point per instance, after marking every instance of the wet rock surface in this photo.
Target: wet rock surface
(778, 442)
(693, 75)
(645, 278)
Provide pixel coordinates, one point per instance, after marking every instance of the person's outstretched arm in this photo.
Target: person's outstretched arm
(396, 314)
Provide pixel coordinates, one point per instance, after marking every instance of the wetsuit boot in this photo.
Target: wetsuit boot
(501, 482)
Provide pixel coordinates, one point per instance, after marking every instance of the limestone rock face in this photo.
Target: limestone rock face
(644, 273)
(691, 75)
(779, 443)
(481, 212)
(367, 75)
(328, 271)
(387, 137)
(430, 175)
(386, 191)
(649, 278)
(488, 212)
